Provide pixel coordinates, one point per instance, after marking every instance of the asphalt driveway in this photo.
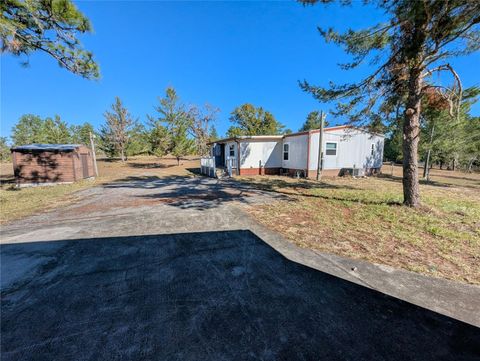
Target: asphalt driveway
(165, 269)
(205, 296)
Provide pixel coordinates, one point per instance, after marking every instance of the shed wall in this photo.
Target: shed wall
(52, 166)
(77, 159)
(43, 167)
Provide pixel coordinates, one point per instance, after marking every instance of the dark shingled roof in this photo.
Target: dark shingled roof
(48, 147)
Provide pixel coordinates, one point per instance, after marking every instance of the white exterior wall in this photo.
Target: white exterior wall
(353, 149)
(269, 153)
(297, 158)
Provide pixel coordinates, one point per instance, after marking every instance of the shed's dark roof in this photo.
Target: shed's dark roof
(47, 147)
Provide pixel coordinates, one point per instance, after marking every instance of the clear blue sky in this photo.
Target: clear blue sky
(223, 53)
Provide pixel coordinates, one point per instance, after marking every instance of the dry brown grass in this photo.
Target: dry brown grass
(16, 203)
(364, 219)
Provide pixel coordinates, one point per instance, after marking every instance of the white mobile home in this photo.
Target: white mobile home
(344, 148)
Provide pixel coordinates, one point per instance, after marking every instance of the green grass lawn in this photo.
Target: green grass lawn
(364, 219)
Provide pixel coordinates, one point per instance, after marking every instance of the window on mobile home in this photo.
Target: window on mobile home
(373, 149)
(331, 149)
(232, 150)
(285, 151)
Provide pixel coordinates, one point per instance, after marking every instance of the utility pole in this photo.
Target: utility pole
(426, 170)
(320, 148)
(94, 157)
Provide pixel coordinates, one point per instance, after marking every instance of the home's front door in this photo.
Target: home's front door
(219, 154)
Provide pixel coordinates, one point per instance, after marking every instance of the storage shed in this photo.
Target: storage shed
(35, 164)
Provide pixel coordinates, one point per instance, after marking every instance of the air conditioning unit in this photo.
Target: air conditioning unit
(358, 172)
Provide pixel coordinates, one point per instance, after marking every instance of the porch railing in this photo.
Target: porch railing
(231, 164)
(207, 166)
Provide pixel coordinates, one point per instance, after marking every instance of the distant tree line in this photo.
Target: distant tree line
(173, 128)
(180, 130)
(453, 142)
(34, 129)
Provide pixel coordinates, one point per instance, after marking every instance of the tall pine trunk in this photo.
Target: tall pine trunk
(411, 133)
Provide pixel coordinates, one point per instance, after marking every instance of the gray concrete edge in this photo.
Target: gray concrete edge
(454, 299)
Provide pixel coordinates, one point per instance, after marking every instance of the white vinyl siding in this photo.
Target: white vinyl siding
(297, 152)
(342, 149)
(268, 154)
(354, 148)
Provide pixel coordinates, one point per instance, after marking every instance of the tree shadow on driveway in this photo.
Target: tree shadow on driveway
(200, 193)
(204, 296)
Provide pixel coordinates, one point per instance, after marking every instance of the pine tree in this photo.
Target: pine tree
(115, 133)
(411, 46)
(28, 130)
(176, 120)
(80, 134)
(181, 145)
(312, 122)
(56, 131)
(48, 26)
(139, 141)
(159, 139)
(33, 129)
